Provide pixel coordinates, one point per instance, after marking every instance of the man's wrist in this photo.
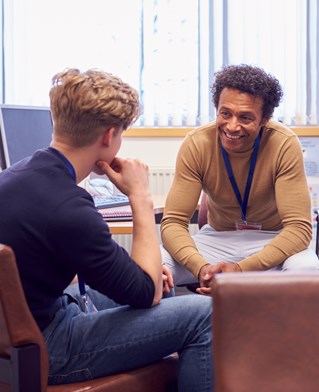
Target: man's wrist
(238, 267)
(201, 269)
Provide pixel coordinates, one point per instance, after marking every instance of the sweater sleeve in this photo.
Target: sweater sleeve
(294, 208)
(83, 244)
(181, 203)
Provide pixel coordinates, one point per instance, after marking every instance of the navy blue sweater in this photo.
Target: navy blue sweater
(56, 232)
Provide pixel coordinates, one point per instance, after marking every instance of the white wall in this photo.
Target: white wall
(155, 152)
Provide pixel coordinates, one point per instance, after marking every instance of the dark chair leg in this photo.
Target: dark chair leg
(26, 376)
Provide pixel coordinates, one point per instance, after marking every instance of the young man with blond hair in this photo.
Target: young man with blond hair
(56, 233)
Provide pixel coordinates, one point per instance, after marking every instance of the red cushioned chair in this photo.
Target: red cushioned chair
(24, 358)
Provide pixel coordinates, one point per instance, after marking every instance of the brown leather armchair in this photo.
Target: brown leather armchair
(266, 329)
(23, 354)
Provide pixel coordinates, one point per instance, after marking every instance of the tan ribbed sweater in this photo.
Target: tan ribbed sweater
(279, 196)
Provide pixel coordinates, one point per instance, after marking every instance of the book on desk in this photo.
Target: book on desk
(116, 214)
(113, 207)
(124, 213)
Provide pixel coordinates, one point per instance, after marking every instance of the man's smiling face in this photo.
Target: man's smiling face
(239, 119)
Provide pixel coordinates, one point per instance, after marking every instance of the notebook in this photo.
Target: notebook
(112, 214)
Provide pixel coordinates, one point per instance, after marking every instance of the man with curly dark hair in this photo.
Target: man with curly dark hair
(251, 169)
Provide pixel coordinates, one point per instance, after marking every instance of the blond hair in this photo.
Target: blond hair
(83, 105)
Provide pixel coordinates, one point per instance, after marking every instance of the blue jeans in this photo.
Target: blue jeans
(83, 346)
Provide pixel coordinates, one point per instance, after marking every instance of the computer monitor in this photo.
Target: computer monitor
(23, 130)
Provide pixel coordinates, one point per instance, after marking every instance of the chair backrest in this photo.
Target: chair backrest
(22, 347)
(266, 332)
(202, 212)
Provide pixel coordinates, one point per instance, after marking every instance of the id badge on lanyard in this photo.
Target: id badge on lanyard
(243, 224)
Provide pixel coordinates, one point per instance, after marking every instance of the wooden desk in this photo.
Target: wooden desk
(126, 227)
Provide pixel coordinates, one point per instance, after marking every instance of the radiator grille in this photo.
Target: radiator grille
(160, 179)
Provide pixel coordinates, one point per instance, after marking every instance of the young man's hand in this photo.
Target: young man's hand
(168, 282)
(130, 176)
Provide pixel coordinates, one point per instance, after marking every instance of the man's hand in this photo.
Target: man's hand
(168, 282)
(208, 271)
(130, 176)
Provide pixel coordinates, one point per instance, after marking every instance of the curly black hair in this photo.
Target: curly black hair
(249, 79)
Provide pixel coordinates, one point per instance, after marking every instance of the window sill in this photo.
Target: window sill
(182, 131)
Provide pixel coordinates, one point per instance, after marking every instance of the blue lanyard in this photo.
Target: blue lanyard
(253, 160)
(72, 172)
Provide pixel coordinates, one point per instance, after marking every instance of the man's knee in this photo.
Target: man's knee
(305, 260)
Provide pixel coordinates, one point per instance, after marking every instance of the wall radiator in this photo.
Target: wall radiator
(160, 179)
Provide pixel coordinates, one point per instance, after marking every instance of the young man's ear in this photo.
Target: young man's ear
(108, 136)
